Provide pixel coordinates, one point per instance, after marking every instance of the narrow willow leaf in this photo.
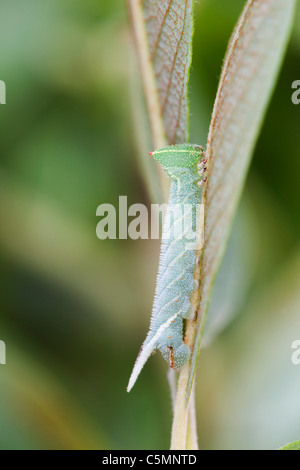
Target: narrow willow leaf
(251, 65)
(169, 25)
(293, 446)
(163, 33)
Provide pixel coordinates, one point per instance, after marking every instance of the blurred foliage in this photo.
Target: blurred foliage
(292, 446)
(75, 309)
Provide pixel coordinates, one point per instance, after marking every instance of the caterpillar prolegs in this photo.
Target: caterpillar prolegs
(175, 286)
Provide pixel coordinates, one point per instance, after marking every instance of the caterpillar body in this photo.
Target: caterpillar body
(175, 286)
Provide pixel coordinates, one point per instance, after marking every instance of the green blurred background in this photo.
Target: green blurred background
(74, 309)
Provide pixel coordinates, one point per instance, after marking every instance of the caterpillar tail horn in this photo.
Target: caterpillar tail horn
(148, 347)
(145, 351)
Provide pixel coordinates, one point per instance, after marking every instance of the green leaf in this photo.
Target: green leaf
(249, 73)
(162, 32)
(169, 25)
(293, 446)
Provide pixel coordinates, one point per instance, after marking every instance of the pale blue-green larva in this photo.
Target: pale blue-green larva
(176, 286)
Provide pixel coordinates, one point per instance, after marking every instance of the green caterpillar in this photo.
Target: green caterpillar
(175, 287)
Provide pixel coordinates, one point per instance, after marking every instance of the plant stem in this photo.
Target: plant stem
(179, 429)
(192, 437)
(184, 431)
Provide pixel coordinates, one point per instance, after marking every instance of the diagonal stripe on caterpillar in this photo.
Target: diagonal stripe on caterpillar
(175, 286)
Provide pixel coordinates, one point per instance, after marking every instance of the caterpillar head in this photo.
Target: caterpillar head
(176, 159)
